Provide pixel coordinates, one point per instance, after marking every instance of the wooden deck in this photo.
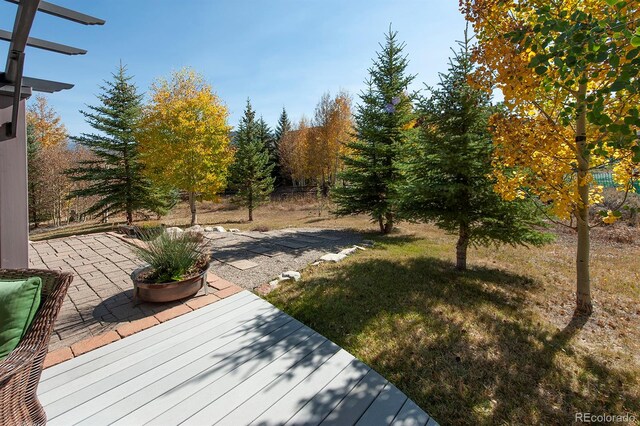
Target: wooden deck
(238, 361)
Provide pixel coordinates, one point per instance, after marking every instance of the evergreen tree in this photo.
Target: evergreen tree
(447, 171)
(251, 169)
(383, 124)
(283, 127)
(267, 138)
(114, 175)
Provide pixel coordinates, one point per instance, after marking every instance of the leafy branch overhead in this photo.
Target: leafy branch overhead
(570, 75)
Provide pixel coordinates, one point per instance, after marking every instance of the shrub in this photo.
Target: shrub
(172, 257)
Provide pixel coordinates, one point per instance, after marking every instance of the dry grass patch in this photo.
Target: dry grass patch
(296, 213)
(497, 344)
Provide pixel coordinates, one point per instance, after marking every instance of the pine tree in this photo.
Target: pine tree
(447, 171)
(268, 139)
(251, 169)
(114, 175)
(283, 127)
(383, 124)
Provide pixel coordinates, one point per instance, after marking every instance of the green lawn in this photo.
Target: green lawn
(478, 347)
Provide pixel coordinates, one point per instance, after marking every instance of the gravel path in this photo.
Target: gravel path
(250, 259)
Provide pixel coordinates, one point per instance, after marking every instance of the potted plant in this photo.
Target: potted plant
(177, 267)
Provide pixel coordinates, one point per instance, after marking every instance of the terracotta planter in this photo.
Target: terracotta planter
(167, 292)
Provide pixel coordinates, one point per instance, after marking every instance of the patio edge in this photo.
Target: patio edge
(221, 290)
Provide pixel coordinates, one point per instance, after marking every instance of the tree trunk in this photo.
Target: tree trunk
(325, 185)
(381, 223)
(461, 247)
(250, 203)
(192, 206)
(35, 217)
(388, 225)
(128, 196)
(583, 281)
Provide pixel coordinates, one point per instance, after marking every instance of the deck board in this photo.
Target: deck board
(356, 401)
(157, 350)
(296, 377)
(384, 408)
(237, 361)
(53, 378)
(133, 386)
(410, 415)
(215, 410)
(287, 406)
(321, 405)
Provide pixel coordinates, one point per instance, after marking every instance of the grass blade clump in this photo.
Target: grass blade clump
(173, 257)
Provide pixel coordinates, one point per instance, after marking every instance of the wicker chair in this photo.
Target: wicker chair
(20, 370)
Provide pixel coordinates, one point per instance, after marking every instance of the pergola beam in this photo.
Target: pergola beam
(63, 12)
(36, 84)
(14, 89)
(45, 45)
(22, 26)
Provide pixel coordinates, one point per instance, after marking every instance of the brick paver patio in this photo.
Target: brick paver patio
(99, 308)
(99, 300)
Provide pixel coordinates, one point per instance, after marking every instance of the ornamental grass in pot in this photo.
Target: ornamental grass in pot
(177, 266)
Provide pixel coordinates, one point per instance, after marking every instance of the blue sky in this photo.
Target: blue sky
(277, 52)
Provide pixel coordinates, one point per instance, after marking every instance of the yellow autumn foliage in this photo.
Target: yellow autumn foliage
(184, 137)
(536, 150)
(46, 124)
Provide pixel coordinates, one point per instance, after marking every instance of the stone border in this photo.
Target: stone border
(221, 289)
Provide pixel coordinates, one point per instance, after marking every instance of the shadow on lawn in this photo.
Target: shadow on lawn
(460, 344)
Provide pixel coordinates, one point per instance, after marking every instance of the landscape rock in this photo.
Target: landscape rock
(219, 229)
(333, 257)
(208, 229)
(234, 230)
(195, 228)
(367, 243)
(292, 274)
(349, 251)
(274, 283)
(174, 231)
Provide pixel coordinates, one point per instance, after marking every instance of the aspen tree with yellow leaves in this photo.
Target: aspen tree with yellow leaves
(48, 159)
(333, 128)
(184, 137)
(312, 152)
(294, 153)
(569, 71)
(46, 124)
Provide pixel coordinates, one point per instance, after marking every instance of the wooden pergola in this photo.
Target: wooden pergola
(15, 88)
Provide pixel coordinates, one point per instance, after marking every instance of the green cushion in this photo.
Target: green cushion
(19, 302)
